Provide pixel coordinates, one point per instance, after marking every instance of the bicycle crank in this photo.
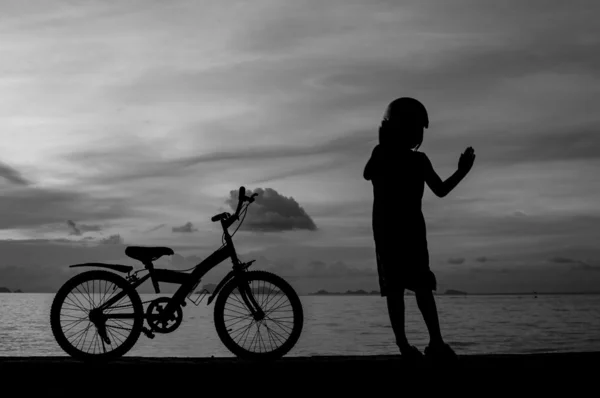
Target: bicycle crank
(148, 332)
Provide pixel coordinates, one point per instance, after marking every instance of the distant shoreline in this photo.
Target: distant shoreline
(467, 294)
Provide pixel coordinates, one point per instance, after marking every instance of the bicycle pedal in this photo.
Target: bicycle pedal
(148, 332)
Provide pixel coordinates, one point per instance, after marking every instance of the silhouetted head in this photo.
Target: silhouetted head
(403, 124)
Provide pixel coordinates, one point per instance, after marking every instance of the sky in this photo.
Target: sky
(132, 123)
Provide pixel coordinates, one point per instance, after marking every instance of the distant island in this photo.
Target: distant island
(451, 292)
(7, 290)
(347, 293)
(361, 292)
(210, 288)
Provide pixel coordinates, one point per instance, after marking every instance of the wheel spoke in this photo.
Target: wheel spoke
(282, 319)
(73, 327)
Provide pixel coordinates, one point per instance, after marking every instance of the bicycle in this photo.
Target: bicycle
(164, 314)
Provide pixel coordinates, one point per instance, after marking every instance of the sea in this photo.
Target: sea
(349, 325)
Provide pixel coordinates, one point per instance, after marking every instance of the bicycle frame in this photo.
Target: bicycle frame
(189, 281)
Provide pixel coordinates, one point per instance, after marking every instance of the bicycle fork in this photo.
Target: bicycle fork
(246, 293)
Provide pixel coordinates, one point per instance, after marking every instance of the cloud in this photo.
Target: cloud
(180, 262)
(113, 240)
(272, 212)
(587, 267)
(459, 260)
(42, 265)
(577, 265)
(563, 260)
(570, 140)
(524, 89)
(186, 228)
(77, 230)
(73, 227)
(12, 175)
(122, 168)
(547, 229)
(32, 207)
(315, 269)
(489, 270)
(155, 228)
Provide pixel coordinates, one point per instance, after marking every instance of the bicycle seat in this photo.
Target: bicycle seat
(145, 253)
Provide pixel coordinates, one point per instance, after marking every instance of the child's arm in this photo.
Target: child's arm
(438, 187)
(370, 167)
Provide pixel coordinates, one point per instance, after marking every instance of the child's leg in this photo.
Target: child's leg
(426, 303)
(395, 303)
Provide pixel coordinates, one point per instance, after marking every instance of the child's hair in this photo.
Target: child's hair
(401, 112)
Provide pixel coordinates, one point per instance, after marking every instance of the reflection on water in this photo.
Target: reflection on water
(347, 325)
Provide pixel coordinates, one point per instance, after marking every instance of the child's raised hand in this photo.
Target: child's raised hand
(466, 159)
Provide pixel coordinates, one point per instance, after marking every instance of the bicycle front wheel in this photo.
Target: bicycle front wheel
(86, 334)
(276, 333)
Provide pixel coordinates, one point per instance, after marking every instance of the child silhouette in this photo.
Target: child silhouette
(398, 173)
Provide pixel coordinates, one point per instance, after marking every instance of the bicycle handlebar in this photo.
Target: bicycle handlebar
(241, 199)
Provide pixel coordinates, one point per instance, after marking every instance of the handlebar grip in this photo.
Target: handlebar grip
(242, 193)
(219, 217)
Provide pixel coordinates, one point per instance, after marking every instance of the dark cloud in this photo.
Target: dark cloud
(587, 267)
(34, 278)
(576, 264)
(315, 269)
(186, 228)
(73, 228)
(155, 228)
(42, 265)
(544, 227)
(459, 260)
(483, 259)
(31, 207)
(79, 229)
(12, 175)
(563, 260)
(272, 212)
(491, 270)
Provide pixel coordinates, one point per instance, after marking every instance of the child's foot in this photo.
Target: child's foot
(440, 351)
(411, 352)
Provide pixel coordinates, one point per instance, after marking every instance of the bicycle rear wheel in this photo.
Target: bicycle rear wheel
(269, 338)
(77, 333)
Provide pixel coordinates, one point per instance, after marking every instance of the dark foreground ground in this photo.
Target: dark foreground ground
(476, 375)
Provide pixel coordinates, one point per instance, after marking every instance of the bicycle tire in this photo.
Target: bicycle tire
(295, 304)
(59, 301)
